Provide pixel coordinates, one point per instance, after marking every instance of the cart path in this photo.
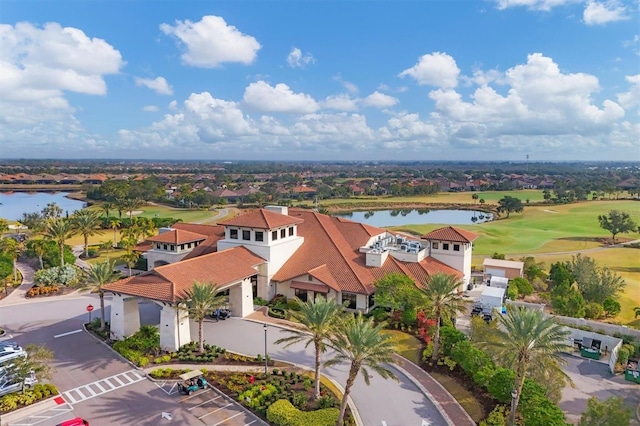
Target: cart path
(589, 250)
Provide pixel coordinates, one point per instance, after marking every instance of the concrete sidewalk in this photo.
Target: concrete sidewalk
(18, 294)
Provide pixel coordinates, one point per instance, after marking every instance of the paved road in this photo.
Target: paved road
(592, 378)
(394, 403)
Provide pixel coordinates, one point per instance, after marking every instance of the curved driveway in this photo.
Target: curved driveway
(384, 402)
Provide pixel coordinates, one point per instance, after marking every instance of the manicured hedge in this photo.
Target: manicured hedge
(16, 400)
(283, 413)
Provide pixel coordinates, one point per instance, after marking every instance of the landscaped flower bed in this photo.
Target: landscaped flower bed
(44, 291)
(16, 400)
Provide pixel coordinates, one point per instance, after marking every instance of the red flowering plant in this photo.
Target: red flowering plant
(426, 327)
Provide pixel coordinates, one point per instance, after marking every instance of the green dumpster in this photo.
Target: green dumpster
(590, 353)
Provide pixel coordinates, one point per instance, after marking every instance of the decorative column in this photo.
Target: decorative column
(125, 316)
(174, 328)
(241, 298)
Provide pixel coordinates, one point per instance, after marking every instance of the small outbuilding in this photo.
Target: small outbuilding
(502, 268)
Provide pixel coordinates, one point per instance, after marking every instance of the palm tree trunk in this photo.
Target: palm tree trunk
(61, 252)
(201, 334)
(353, 372)
(129, 265)
(115, 237)
(41, 262)
(436, 339)
(15, 270)
(519, 384)
(102, 320)
(86, 246)
(317, 384)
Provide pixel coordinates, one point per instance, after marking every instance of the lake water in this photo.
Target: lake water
(382, 218)
(16, 203)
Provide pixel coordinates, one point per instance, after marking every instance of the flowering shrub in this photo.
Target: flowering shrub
(43, 291)
(425, 327)
(63, 275)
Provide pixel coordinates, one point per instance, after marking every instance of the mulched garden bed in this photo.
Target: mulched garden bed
(482, 396)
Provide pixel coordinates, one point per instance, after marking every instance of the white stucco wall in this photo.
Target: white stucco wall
(174, 328)
(459, 260)
(125, 316)
(241, 299)
(154, 255)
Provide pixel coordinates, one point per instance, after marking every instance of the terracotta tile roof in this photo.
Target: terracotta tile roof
(356, 233)
(451, 233)
(169, 282)
(143, 246)
(177, 236)
(207, 230)
(262, 219)
(210, 245)
(322, 273)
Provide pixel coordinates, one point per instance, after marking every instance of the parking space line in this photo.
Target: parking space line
(68, 333)
(196, 406)
(250, 423)
(228, 418)
(214, 411)
(194, 395)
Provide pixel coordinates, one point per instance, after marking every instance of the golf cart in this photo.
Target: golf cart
(191, 382)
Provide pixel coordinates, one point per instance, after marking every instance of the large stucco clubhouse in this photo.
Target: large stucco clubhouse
(279, 250)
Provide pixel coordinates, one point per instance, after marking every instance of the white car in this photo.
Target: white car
(10, 384)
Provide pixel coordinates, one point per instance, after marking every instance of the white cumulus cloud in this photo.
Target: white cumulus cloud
(150, 108)
(631, 98)
(158, 85)
(544, 5)
(279, 98)
(212, 42)
(296, 59)
(436, 69)
(341, 102)
(379, 100)
(600, 13)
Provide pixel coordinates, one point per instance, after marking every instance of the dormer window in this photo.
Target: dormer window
(233, 234)
(291, 231)
(246, 235)
(456, 247)
(173, 247)
(283, 233)
(434, 245)
(164, 247)
(274, 235)
(259, 236)
(445, 246)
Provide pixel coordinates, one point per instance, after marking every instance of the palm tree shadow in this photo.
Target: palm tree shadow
(136, 408)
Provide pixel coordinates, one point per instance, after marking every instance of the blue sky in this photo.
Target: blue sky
(320, 80)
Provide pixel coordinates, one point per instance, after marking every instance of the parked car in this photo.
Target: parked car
(78, 421)
(11, 383)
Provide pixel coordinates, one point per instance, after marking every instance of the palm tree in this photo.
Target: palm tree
(130, 204)
(441, 301)
(318, 320)
(100, 274)
(130, 258)
(87, 223)
(11, 248)
(4, 227)
(59, 230)
(362, 344)
(39, 247)
(115, 225)
(636, 312)
(526, 341)
(200, 300)
(474, 196)
(106, 207)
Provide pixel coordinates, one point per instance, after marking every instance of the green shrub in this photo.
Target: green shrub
(501, 384)
(277, 313)
(593, 310)
(497, 417)
(449, 336)
(379, 314)
(293, 305)
(623, 356)
(512, 292)
(427, 352)
(409, 316)
(283, 413)
(259, 301)
(523, 286)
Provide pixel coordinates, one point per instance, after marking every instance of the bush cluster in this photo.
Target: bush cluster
(284, 413)
(43, 291)
(535, 407)
(14, 401)
(139, 346)
(188, 353)
(167, 373)
(58, 275)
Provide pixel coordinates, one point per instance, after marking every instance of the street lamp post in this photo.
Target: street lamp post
(266, 356)
(514, 395)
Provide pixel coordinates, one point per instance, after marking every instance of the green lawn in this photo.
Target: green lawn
(468, 400)
(407, 345)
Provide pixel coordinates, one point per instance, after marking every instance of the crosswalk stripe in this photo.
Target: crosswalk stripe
(84, 392)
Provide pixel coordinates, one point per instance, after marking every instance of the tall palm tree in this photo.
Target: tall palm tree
(200, 300)
(4, 227)
(362, 344)
(318, 320)
(441, 301)
(87, 223)
(59, 230)
(525, 341)
(130, 204)
(100, 274)
(115, 225)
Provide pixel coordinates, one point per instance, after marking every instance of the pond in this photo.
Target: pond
(382, 218)
(13, 204)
